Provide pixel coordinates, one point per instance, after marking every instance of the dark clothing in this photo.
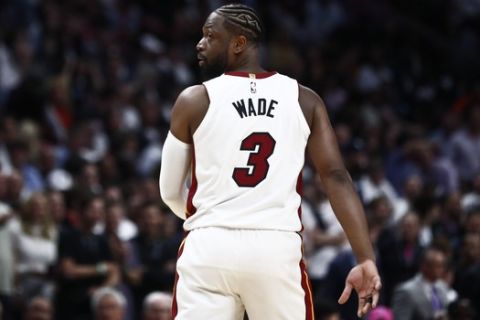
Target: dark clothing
(469, 286)
(398, 261)
(153, 256)
(73, 299)
(335, 282)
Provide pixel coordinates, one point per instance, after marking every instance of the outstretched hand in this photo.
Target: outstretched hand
(365, 280)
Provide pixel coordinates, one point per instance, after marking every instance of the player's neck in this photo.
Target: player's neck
(247, 63)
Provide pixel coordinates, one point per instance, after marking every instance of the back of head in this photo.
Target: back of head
(108, 303)
(38, 308)
(242, 19)
(157, 306)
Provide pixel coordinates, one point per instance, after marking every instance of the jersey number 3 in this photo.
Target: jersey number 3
(258, 159)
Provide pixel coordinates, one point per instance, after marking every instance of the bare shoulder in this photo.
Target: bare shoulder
(309, 101)
(192, 97)
(188, 112)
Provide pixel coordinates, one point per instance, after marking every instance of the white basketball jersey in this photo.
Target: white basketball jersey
(248, 154)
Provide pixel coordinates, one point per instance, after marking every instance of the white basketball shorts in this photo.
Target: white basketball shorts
(223, 272)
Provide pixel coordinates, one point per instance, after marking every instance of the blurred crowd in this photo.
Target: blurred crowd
(86, 89)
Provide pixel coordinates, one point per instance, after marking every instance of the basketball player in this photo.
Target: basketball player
(243, 134)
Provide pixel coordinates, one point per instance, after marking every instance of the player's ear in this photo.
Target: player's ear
(239, 44)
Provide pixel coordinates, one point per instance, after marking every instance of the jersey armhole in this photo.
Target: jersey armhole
(303, 119)
(206, 115)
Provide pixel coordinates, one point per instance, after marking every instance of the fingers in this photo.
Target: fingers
(366, 307)
(345, 294)
(369, 301)
(376, 289)
(364, 304)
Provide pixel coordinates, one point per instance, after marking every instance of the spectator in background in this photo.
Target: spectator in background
(114, 214)
(152, 266)
(85, 263)
(35, 248)
(471, 200)
(465, 148)
(21, 160)
(424, 296)
(472, 221)
(38, 308)
(467, 261)
(108, 304)
(468, 282)
(375, 184)
(16, 193)
(450, 224)
(157, 306)
(399, 251)
(6, 254)
(96, 74)
(56, 203)
(412, 190)
(438, 173)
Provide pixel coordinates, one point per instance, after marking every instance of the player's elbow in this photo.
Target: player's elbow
(174, 200)
(167, 194)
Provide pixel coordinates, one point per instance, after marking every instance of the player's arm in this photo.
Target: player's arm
(323, 149)
(177, 149)
(324, 152)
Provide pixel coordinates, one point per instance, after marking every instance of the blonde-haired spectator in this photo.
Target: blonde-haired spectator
(34, 246)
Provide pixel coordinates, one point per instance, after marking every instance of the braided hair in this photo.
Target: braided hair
(241, 19)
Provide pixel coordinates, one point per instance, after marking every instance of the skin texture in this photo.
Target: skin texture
(220, 49)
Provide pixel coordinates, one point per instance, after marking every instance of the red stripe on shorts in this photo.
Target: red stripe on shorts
(308, 292)
(300, 193)
(193, 189)
(174, 301)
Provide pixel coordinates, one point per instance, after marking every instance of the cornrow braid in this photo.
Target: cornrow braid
(242, 18)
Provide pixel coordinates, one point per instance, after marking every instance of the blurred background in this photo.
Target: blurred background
(86, 89)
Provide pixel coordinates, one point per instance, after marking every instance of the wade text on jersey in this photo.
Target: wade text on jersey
(255, 107)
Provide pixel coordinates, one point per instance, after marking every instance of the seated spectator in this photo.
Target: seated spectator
(467, 260)
(152, 266)
(425, 296)
(39, 308)
(468, 283)
(108, 304)
(6, 255)
(471, 199)
(465, 144)
(157, 306)
(124, 229)
(114, 214)
(85, 263)
(374, 185)
(399, 251)
(34, 245)
(472, 221)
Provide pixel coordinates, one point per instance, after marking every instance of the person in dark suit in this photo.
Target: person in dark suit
(399, 251)
(425, 295)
